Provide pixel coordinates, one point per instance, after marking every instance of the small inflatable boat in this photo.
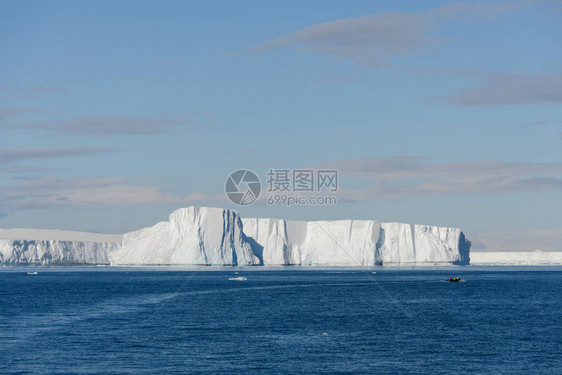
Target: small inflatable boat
(454, 279)
(240, 278)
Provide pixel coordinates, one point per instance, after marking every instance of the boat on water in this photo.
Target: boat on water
(32, 273)
(454, 279)
(240, 278)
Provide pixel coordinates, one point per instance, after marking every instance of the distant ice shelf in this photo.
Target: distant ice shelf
(516, 258)
(216, 236)
(51, 247)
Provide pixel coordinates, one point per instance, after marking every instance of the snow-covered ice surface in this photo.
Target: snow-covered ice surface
(53, 247)
(516, 258)
(216, 236)
(60, 235)
(193, 235)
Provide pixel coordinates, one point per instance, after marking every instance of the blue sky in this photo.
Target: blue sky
(465, 129)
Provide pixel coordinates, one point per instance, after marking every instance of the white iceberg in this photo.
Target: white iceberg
(422, 244)
(216, 236)
(52, 247)
(353, 243)
(192, 236)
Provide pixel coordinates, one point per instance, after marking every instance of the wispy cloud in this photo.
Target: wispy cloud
(18, 155)
(518, 240)
(510, 89)
(80, 192)
(367, 40)
(38, 90)
(411, 176)
(539, 123)
(76, 192)
(30, 91)
(105, 125)
(12, 112)
(373, 39)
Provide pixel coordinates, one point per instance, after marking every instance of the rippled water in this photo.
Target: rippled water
(94, 320)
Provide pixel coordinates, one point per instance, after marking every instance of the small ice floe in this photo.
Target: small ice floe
(239, 278)
(32, 273)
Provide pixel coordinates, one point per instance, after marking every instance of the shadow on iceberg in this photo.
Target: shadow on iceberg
(464, 250)
(257, 249)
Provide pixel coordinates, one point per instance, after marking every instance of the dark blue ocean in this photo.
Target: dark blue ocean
(323, 321)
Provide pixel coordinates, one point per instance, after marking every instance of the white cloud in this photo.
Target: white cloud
(367, 40)
(510, 89)
(18, 119)
(410, 176)
(518, 240)
(38, 90)
(13, 112)
(107, 125)
(373, 39)
(21, 154)
(39, 193)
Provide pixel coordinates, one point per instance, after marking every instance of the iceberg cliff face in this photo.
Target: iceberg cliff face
(54, 252)
(409, 243)
(192, 236)
(353, 243)
(216, 236)
(285, 242)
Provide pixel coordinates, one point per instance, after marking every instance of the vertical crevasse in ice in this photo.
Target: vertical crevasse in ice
(193, 235)
(354, 242)
(216, 236)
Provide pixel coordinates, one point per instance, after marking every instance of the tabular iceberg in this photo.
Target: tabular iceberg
(216, 236)
(286, 242)
(192, 236)
(353, 243)
(409, 243)
(42, 247)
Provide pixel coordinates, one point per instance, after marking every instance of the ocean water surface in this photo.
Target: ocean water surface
(291, 320)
